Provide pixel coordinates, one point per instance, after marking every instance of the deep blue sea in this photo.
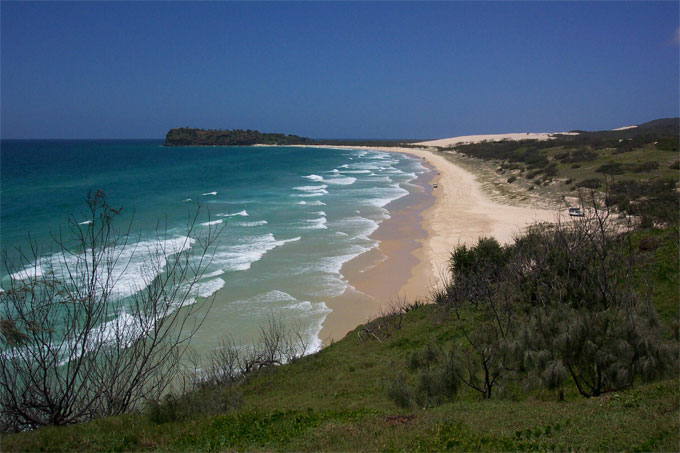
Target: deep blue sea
(292, 216)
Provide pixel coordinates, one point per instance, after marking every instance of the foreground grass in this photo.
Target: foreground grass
(336, 400)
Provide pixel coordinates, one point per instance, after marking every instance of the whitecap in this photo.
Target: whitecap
(243, 213)
(311, 188)
(207, 288)
(212, 222)
(216, 273)
(240, 257)
(316, 224)
(250, 224)
(341, 181)
(312, 203)
(314, 177)
(87, 222)
(209, 193)
(133, 268)
(357, 172)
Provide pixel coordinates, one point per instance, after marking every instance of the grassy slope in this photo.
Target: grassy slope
(336, 400)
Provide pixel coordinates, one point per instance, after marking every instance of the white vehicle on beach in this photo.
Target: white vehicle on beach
(576, 212)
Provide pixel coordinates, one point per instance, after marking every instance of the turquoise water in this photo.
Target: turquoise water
(292, 216)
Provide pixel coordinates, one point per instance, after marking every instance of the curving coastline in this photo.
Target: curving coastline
(416, 242)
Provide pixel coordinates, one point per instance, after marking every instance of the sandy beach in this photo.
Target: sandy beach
(416, 242)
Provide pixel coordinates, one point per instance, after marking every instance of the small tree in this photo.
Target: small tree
(484, 302)
(77, 340)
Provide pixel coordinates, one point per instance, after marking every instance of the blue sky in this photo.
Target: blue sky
(359, 70)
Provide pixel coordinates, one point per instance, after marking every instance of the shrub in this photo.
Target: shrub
(611, 168)
(400, 392)
(668, 144)
(645, 167)
(592, 183)
(512, 179)
(557, 305)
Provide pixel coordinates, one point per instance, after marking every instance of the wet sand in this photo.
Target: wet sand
(390, 273)
(416, 242)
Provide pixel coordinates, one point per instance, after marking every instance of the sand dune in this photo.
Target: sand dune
(467, 139)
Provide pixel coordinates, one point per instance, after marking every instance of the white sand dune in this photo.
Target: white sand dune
(467, 139)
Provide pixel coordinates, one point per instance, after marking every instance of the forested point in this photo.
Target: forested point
(185, 136)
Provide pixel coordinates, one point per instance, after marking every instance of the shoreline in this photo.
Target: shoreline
(416, 242)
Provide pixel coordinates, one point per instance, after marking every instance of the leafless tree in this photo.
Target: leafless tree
(78, 338)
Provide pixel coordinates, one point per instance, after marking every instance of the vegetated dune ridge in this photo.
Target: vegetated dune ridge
(466, 139)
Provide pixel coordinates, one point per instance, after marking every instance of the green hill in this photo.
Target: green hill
(185, 136)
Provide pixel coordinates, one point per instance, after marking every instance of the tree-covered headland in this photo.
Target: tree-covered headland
(186, 136)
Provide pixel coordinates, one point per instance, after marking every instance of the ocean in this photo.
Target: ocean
(292, 216)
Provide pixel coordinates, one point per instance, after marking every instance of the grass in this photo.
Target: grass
(336, 400)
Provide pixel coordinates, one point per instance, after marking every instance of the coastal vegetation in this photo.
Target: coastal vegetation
(74, 346)
(636, 168)
(186, 136)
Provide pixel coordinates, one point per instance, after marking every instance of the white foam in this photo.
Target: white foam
(209, 193)
(320, 188)
(133, 267)
(216, 273)
(314, 177)
(243, 213)
(250, 224)
(387, 195)
(186, 199)
(385, 179)
(87, 222)
(311, 191)
(28, 273)
(212, 222)
(312, 203)
(310, 195)
(240, 257)
(359, 227)
(316, 224)
(208, 288)
(357, 172)
(341, 181)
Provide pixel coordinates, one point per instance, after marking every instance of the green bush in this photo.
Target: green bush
(591, 183)
(611, 168)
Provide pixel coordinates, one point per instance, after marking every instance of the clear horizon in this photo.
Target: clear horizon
(88, 70)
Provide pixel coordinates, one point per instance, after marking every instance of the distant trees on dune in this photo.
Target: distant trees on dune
(185, 136)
